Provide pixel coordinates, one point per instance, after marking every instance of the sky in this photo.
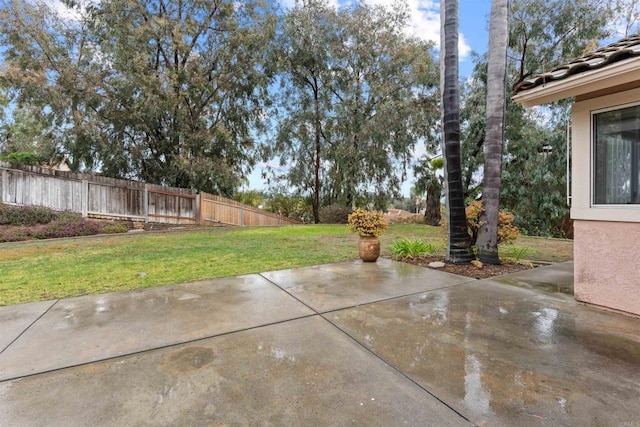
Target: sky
(425, 14)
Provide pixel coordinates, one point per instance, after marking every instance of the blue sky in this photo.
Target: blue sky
(474, 24)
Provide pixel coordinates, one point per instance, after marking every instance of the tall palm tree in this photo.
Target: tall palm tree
(487, 242)
(458, 244)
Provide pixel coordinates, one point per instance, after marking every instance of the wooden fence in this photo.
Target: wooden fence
(221, 210)
(96, 196)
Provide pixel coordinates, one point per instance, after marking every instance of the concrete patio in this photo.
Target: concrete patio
(381, 344)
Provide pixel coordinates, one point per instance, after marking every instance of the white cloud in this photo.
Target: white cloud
(425, 22)
(70, 14)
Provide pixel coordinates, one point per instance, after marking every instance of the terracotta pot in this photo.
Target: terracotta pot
(369, 248)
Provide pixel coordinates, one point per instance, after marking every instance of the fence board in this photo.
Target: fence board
(26, 188)
(222, 210)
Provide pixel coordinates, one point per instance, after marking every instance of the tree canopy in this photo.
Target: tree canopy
(166, 91)
(356, 95)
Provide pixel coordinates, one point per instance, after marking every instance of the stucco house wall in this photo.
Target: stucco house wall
(607, 238)
(606, 265)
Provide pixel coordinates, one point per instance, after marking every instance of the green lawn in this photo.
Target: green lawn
(42, 270)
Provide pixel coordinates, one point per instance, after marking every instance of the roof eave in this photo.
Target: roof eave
(613, 75)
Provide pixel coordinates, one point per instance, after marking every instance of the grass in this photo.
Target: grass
(42, 270)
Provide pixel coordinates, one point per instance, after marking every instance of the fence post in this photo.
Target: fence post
(241, 216)
(84, 198)
(198, 209)
(146, 204)
(4, 188)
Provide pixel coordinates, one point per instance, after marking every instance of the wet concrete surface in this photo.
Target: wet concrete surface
(347, 284)
(553, 279)
(388, 344)
(97, 327)
(14, 320)
(304, 372)
(508, 356)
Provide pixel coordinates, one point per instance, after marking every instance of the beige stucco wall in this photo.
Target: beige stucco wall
(607, 238)
(607, 266)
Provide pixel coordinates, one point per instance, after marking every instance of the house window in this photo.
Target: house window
(617, 156)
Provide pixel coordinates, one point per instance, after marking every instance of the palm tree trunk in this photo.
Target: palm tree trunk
(487, 242)
(432, 210)
(458, 245)
(316, 160)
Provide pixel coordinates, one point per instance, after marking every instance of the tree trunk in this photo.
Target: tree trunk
(432, 214)
(458, 247)
(316, 160)
(487, 242)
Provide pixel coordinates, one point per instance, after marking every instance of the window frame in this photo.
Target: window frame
(592, 155)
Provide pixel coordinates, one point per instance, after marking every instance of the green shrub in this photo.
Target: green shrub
(68, 226)
(335, 213)
(14, 234)
(252, 198)
(413, 219)
(23, 158)
(26, 215)
(293, 207)
(19, 223)
(517, 253)
(114, 228)
(68, 215)
(411, 248)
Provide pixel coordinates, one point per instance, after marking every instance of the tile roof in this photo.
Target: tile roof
(622, 49)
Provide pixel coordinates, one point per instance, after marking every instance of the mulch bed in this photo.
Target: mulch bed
(469, 270)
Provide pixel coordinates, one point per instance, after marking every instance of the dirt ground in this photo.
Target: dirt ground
(470, 270)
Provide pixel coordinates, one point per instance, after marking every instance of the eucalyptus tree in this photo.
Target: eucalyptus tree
(186, 85)
(29, 133)
(543, 35)
(533, 180)
(473, 118)
(458, 244)
(534, 176)
(384, 98)
(487, 241)
(547, 33)
(627, 13)
(302, 57)
(166, 91)
(357, 96)
(50, 77)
